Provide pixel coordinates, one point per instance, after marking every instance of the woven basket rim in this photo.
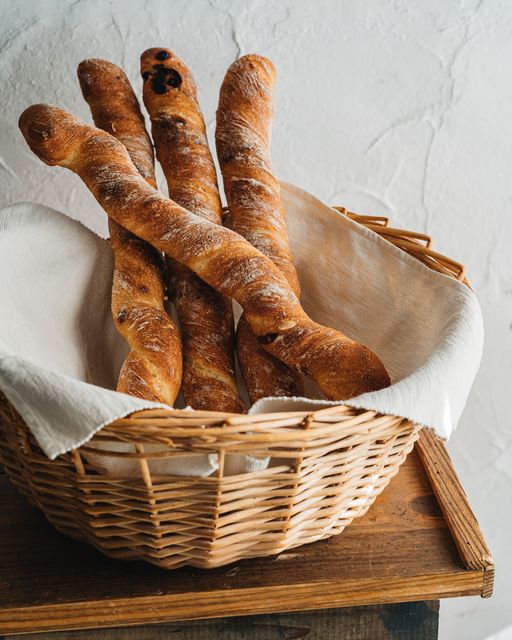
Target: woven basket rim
(263, 429)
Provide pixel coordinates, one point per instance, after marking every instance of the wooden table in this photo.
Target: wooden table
(419, 542)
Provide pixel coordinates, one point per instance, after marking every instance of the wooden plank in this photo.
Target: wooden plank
(402, 550)
(406, 621)
(455, 506)
(116, 612)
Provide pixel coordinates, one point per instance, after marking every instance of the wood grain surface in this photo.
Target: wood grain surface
(403, 621)
(455, 506)
(402, 550)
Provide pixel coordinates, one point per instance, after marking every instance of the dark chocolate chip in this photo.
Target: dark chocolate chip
(145, 75)
(162, 55)
(158, 84)
(143, 288)
(267, 338)
(121, 316)
(173, 78)
(162, 77)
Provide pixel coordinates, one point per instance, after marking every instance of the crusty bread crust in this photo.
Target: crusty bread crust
(264, 375)
(206, 317)
(153, 368)
(244, 118)
(219, 256)
(115, 109)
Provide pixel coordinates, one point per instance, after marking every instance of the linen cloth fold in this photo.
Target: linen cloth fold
(60, 353)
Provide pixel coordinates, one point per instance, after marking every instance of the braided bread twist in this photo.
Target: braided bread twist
(222, 258)
(206, 317)
(153, 368)
(244, 118)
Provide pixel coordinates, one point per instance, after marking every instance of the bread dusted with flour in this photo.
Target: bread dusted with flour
(206, 317)
(244, 118)
(264, 375)
(242, 136)
(152, 370)
(179, 133)
(222, 258)
(115, 109)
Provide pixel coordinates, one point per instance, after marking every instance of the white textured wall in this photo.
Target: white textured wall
(398, 107)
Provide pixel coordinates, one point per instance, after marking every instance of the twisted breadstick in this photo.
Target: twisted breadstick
(115, 109)
(206, 317)
(152, 369)
(244, 118)
(222, 258)
(264, 375)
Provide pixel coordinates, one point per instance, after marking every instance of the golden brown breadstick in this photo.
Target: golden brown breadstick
(264, 375)
(115, 109)
(153, 367)
(244, 118)
(206, 317)
(222, 258)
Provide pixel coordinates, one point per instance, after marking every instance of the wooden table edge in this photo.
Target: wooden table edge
(462, 523)
(220, 604)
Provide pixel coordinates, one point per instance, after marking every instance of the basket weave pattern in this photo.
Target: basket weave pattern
(326, 468)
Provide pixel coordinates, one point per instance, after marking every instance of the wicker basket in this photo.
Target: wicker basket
(327, 467)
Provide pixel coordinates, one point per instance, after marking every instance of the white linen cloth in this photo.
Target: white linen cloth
(60, 353)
